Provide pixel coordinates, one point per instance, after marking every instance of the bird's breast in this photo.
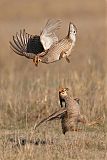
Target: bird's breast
(55, 52)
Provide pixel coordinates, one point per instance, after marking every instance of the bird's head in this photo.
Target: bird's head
(63, 92)
(72, 32)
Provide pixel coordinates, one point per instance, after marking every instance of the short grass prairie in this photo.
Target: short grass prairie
(29, 94)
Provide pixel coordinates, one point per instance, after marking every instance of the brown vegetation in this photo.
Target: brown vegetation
(28, 94)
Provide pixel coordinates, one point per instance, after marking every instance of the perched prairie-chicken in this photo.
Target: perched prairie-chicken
(28, 45)
(60, 49)
(69, 113)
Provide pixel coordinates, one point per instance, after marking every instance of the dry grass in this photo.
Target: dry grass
(28, 94)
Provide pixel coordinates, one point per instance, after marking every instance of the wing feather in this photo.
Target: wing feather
(18, 40)
(26, 45)
(16, 43)
(21, 37)
(48, 36)
(15, 47)
(17, 51)
(53, 116)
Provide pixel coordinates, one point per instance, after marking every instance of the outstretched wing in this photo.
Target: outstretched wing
(48, 36)
(58, 114)
(26, 45)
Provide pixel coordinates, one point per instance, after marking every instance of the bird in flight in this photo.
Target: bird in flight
(28, 45)
(60, 49)
(45, 48)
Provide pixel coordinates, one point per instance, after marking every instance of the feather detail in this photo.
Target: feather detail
(48, 36)
(58, 114)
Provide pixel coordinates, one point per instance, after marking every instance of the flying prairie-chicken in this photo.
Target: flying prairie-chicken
(69, 113)
(28, 45)
(60, 49)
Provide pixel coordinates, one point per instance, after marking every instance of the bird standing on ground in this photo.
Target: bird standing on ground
(72, 116)
(69, 113)
(28, 45)
(60, 49)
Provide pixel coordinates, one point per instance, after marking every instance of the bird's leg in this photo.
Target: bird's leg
(35, 60)
(62, 54)
(67, 59)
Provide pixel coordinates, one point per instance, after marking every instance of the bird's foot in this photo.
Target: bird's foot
(35, 60)
(61, 55)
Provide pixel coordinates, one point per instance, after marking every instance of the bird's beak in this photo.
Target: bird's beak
(61, 90)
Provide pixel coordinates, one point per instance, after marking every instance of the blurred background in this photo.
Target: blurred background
(88, 16)
(29, 94)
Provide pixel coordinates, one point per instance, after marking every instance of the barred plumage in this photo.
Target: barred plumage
(54, 53)
(28, 45)
(70, 120)
(60, 49)
(69, 113)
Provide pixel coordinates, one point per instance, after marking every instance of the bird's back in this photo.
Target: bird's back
(72, 106)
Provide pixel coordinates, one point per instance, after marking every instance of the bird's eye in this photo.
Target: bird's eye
(63, 92)
(74, 31)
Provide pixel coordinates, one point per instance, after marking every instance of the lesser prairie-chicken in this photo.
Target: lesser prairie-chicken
(60, 49)
(28, 45)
